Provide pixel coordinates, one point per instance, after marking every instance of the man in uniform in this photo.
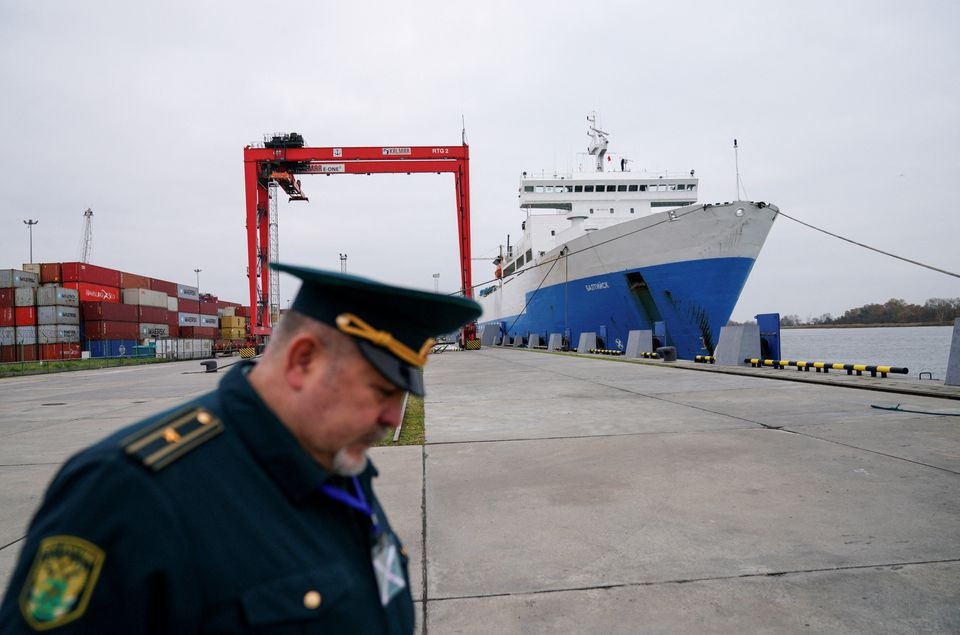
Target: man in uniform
(249, 509)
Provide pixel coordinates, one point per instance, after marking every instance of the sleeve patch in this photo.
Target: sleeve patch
(61, 580)
(171, 437)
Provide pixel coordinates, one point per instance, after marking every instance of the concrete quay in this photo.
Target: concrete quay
(559, 493)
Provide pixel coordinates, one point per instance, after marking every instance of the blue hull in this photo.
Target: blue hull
(692, 299)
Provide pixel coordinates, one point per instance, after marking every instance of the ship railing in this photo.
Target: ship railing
(628, 173)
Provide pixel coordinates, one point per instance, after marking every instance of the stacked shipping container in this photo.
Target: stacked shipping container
(45, 321)
(52, 310)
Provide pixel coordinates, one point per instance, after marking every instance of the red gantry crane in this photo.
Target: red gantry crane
(284, 157)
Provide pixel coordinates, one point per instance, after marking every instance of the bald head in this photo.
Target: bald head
(294, 323)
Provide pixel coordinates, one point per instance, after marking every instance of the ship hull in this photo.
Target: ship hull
(683, 269)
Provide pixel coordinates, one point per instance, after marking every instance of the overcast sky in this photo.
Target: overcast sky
(847, 115)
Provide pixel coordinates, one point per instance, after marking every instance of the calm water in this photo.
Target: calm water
(919, 348)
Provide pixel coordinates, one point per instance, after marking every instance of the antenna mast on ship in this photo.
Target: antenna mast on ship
(736, 162)
(598, 141)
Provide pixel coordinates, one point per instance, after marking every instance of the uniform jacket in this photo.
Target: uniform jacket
(226, 532)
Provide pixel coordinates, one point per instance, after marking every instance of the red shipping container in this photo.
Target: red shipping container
(101, 330)
(152, 314)
(202, 332)
(173, 321)
(6, 316)
(133, 281)
(109, 311)
(208, 308)
(26, 352)
(50, 272)
(25, 315)
(7, 297)
(83, 272)
(90, 292)
(170, 288)
(60, 351)
(8, 354)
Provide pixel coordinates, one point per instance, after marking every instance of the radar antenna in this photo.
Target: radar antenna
(87, 236)
(598, 141)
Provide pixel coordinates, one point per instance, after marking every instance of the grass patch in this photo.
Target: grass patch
(412, 431)
(64, 365)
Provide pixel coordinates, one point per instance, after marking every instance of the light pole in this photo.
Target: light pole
(30, 224)
(436, 283)
(343, 263)
(197, 271)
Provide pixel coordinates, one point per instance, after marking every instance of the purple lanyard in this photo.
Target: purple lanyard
(358, 502)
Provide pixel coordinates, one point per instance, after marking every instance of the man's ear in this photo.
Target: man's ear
(304, 356)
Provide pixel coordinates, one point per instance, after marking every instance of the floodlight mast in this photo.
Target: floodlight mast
(284, 156)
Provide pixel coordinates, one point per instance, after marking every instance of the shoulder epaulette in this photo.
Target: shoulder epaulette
(163, 442)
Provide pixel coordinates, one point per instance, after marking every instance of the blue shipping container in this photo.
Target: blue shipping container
(112, 348)
(144, 351)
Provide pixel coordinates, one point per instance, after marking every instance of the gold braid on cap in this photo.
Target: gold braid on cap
(352, 325)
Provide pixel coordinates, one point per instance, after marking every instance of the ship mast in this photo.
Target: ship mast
(598, 141)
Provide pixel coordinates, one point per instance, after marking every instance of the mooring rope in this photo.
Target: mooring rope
(879, 251)
(553, 261)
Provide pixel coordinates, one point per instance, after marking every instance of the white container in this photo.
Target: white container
(148, 329)
(26, 335)
(144, 297)
(57, 296)
(25, 296)
(172, 304)
(58, 315)
(184, 348)
(188, 319)
(10, 278)
(58, 333)
(210, 320)
(32, 267)
(229, 311)
(188, 293)
(165, 348)
(8, 336)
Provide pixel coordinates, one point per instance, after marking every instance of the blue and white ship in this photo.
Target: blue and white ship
(610, 251)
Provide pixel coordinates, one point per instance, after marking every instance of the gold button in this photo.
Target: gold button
(204, 418)
(311, 599)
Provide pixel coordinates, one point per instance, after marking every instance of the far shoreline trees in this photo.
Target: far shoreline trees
(893, 311)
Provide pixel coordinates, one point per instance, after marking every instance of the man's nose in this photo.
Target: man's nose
(392, 414)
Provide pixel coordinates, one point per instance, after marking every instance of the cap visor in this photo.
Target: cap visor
(400, 374)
